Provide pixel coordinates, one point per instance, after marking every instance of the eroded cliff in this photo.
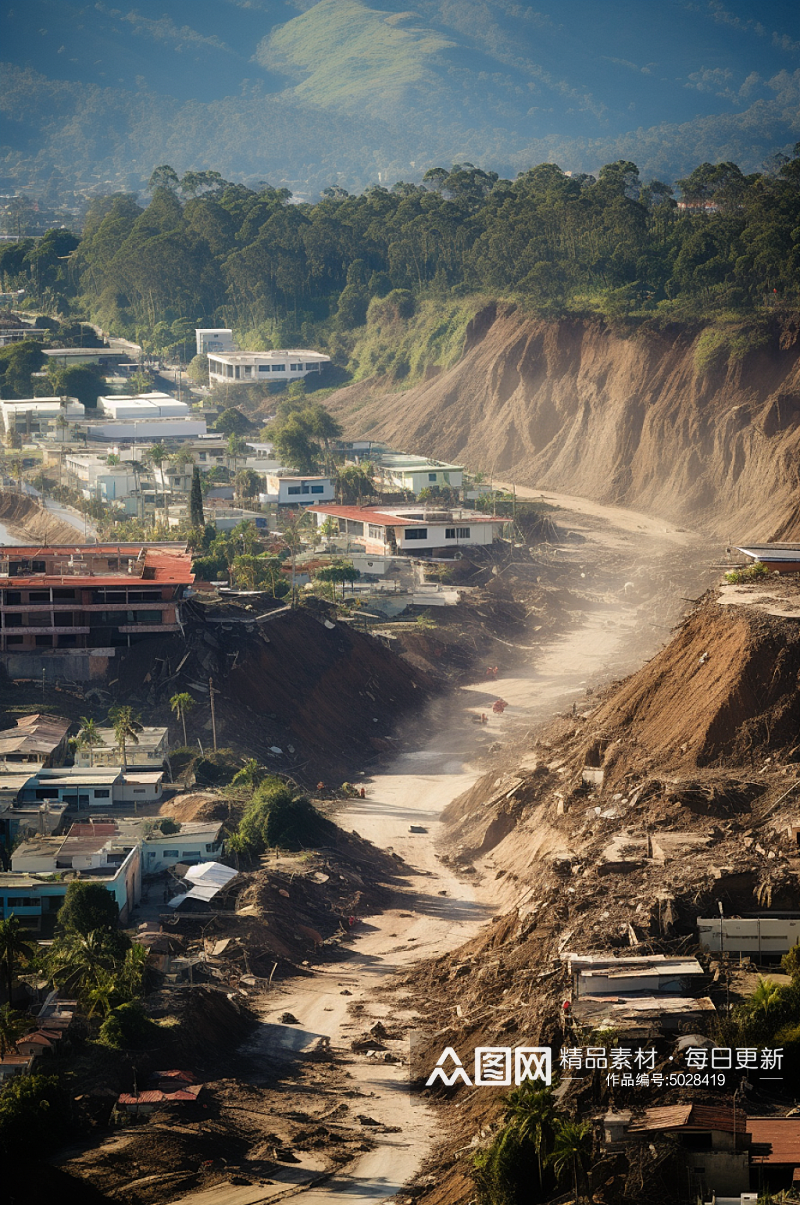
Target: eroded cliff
(648, 420)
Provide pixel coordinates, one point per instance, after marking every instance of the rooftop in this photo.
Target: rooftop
(780, 1138)
(690, 1117)
(83, 564)
(33, 734)
(387, 518)
(779, 553)
(257, 357)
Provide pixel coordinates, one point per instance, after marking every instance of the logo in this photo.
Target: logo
(494, 1066)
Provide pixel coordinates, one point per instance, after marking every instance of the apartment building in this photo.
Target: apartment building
(64, 610)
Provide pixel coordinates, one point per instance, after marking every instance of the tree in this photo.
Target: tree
(126, 725)
(87, 907)
(197, 370)
(181, 704)
(232, 422)
(531, 1112)
(572, 1149)
(33, 1114)
(13, 946)
(12, 1026)
(85, 382)
(89, 736)
(163, 177)
(17, 362)
(338, 571)
(196, 515)
(157, 456)
(236, 447)
(248, 483)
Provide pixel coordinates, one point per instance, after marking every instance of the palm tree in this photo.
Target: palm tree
(83, 961)
(100, 997)
(766, 996)
(157, 455)
(126, 725)
(89, 736)
(180, 704)
(12, 946)
(12, 1026)
(531, 1112)
(572, 1149)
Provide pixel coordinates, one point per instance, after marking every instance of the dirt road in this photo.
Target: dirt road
(439, 910)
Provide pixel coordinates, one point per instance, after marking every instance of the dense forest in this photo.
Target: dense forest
(205, 251)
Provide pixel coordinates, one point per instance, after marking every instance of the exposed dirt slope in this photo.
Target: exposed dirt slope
(28, 520)
(578, 407)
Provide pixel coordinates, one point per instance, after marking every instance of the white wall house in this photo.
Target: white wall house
(96, 478)
(149, 753)
(416, 473)
(289, 490)
(250, 367)
(100, 787)
(767, 934)
(155, 429)
(196, 842)
(214, 338)
(37, 416)
(411, 531)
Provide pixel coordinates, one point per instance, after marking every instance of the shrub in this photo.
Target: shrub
(128, 1027)
(88, 906)
(752, 573)
(276, 818)
(33, 1113)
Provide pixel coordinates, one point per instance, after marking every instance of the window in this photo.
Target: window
(62, 595)
(13, 598)
(464, 533)
(101, 793)
(37, 596)
(294, 489)
(318, 489)
(431, 476)
(190, 853)
(416, 533)
(148, 616)
(170, 853)
(21, 901)
(375, 532)
(15, 639)
(279, 368)
(248, 370)
(305, 487)
(38, 567)
(263, 368)
(312, 367)
(203, 456)
(140, 790)
(44, 642)
(14, 620)
(296, 367)
(449, 533)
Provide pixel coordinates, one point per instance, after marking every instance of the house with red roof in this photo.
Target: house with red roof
(416, 531)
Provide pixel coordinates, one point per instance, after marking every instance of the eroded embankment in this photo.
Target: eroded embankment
(29, 521)
(625, 418)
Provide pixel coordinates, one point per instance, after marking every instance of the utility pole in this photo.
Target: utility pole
(213, 713)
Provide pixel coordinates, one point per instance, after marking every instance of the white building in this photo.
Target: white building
(214, 338)
(416, 473)
(144, 405)
(100, 787)
(38, 415)
(770, 934)
(286, 490)
(154, 430)
(250, 367)
(149, 753)
(96, 478)
(411, 531)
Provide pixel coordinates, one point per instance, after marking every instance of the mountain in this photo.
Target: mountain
(341, 91)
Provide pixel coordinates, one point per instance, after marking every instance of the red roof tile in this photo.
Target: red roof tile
(780, 1134)
(383, 519)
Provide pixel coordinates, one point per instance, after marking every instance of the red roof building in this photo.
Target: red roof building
(61, 601)
(411, 530)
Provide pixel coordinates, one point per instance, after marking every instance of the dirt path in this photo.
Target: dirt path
(439, 910)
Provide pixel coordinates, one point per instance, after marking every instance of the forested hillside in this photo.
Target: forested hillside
(205, 251)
